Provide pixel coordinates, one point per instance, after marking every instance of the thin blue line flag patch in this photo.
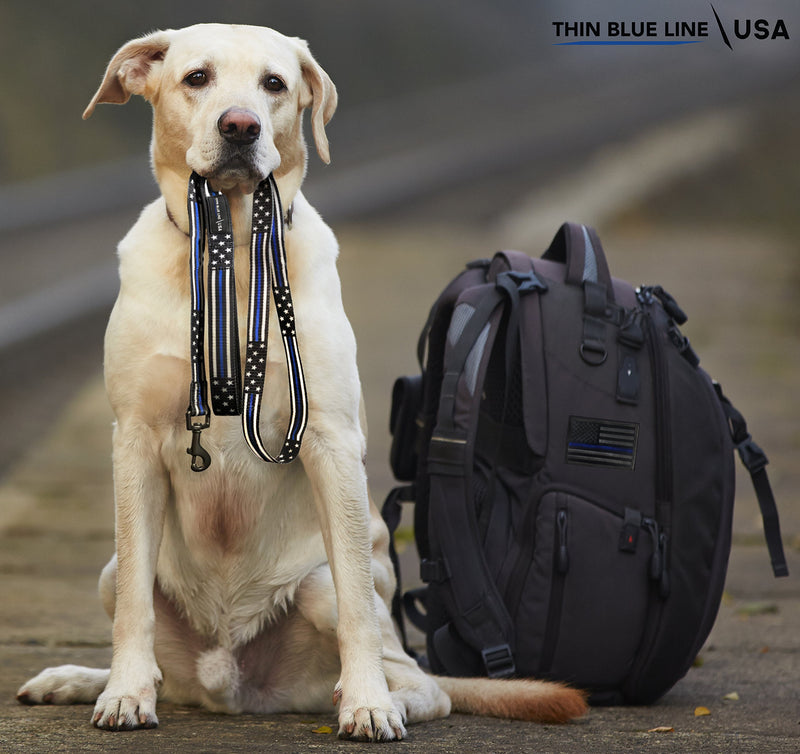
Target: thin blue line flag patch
(598, 442)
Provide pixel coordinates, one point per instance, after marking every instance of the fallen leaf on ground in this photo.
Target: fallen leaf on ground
(323, 729)
(732, 697)
(701, 711)
(662, 729)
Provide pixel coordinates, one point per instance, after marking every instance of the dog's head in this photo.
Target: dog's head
(227, 101)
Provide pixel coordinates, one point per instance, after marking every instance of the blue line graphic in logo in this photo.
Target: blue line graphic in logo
(624, 43)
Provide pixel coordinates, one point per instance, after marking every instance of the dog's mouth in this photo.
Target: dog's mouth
(238, 168)
(231, 167)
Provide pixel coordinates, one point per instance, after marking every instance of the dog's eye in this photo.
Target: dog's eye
(274, 84)
(196, 78)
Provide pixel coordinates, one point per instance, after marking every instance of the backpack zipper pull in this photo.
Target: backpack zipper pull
(670, 305)
(655, 559)
(644, 294)
(664, 585)
(562, 560)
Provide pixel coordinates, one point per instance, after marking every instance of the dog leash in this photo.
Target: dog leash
(209, 216)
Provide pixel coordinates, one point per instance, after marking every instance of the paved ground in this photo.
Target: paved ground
(56, 515)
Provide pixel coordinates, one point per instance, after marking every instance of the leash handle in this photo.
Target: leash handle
(223, 330)
(198, 391)
(209, 215)
(268, 270)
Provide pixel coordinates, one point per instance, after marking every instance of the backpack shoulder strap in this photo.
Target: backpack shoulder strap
(457, 560)
(755, 461)
(430, 355)
(474, 274)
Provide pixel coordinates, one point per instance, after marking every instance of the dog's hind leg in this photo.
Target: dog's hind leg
(416, 696)
(65, 684)
(73, 684)
(194, 673)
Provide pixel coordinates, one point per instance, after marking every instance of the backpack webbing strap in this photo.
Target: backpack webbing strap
(477, 609)
(391, 513)
(755, 461)
(457, 562)
(457, 358)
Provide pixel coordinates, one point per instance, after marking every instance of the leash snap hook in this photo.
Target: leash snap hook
(201, 460)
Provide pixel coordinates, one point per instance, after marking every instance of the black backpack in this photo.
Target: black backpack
(572, 474)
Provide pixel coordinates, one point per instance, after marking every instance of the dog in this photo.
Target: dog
(249, 587)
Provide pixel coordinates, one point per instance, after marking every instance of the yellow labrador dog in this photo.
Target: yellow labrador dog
(250, 587)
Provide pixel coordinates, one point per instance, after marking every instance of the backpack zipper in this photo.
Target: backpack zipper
(560, 569)
(663, 445)
(657, 570)
(663, 493)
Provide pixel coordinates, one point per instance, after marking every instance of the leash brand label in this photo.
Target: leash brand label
(219, 212)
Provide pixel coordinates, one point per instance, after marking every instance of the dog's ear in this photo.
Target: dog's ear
(321, 97)
(128, 71)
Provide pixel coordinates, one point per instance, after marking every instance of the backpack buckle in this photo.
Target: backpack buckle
(498, 661)
(434, 571)
(524, 281)
(753, 458)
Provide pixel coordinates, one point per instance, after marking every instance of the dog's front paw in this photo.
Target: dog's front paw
(125, 708)
(376, 719)
(125, 711)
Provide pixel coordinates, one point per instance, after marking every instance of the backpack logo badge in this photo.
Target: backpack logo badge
(598, 442)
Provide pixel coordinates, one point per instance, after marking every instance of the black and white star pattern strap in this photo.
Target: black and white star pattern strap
(209, 214)
(268, 269)
(223, 332)
(198, 401)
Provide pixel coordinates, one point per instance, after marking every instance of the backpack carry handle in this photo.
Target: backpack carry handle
(579, 248)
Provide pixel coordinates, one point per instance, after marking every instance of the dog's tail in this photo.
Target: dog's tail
(519, 699)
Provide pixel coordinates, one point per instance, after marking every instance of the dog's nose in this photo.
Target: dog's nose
(239, 126)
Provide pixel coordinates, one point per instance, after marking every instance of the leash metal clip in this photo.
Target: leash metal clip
(201, 460)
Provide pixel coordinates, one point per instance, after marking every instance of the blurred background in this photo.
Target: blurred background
(462, 128)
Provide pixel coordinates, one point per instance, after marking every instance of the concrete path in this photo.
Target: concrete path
(56, 517)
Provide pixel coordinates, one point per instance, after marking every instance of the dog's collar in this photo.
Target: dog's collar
(287, 219)
(172, 220)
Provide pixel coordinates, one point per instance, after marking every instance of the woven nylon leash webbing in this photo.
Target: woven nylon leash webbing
(230, 396)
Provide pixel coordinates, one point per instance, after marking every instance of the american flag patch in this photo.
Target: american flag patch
(597, 442)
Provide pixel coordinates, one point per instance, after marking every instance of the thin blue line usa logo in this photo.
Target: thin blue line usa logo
(598, 442)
